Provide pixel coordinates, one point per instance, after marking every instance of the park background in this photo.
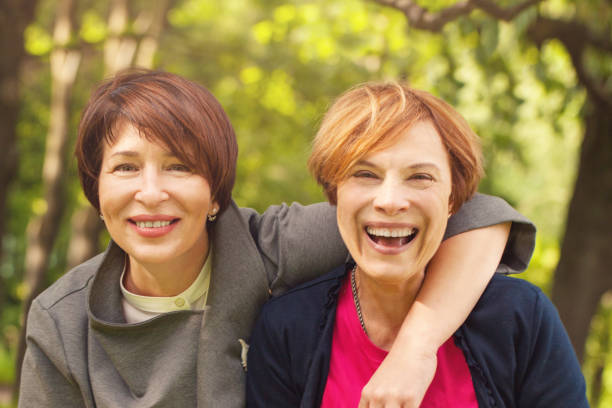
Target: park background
(533, 78)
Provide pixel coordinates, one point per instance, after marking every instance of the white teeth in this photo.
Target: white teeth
(152, 224)
(390, 232)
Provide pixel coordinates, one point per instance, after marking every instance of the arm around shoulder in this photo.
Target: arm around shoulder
(300, 242)
(485, 210)
(45, 377)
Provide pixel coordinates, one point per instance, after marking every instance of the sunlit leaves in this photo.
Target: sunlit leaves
(285, 14)
(543, 263)
(250, 75)
(522, 21)
(279, 95)
(93, 27)
(263, 31)
(37, 40)
(193, 12)
(558, 67)
(489, 37)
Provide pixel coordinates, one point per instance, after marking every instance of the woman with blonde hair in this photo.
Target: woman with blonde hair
(398, 162)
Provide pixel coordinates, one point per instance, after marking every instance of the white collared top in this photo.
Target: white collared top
(137, 308)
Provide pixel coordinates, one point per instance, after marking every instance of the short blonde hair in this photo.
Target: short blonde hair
(371, 116)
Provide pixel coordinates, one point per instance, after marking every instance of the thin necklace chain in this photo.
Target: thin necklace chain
(356, 299)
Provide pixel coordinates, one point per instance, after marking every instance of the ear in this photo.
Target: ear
(214, 208)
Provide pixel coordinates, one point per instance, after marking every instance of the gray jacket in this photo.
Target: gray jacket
(82, 353)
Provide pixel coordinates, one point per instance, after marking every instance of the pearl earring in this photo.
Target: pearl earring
(213, 215)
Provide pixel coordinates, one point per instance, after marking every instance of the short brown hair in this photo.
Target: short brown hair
(372, 116)
(167, 109)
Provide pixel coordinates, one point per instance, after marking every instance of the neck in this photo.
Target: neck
(384, 305)
(162, 280)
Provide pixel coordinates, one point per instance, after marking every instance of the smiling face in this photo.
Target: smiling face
(154, 206)
(394, 205)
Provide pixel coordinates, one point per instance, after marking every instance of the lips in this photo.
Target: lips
(153, 226)
(391, 237)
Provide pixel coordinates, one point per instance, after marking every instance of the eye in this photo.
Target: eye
(125, 168)
(365, 174)
(179, 167)
(421, 180)
(422, 176)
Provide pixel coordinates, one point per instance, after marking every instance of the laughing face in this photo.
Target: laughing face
(154, 206)
(394, 205)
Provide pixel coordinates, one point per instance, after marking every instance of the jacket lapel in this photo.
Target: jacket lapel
(237, 291)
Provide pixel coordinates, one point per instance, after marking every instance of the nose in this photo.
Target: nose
(391, 197)
(152, 190)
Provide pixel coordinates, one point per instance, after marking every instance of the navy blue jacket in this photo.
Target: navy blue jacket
(517, 350)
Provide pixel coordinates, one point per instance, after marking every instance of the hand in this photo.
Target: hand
(400, 381)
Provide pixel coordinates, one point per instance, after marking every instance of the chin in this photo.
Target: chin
(391, 273)
(153, 255)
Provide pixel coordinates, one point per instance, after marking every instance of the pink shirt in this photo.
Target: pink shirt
(354, 359)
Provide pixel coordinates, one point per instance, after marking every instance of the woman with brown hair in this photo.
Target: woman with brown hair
(162, 317)
(397, 162)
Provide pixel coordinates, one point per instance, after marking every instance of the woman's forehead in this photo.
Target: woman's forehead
(129, 139)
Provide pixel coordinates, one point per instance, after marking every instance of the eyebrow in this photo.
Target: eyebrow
(128, 153)
(132, 153)
(419, 165)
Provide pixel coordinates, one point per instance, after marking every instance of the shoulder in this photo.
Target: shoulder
(520, 340)
(310, 301)
(509, 306)
(60, 312)
(515, 291)
(291, 326)
(58, 316)
(512, 310)
(294, 214)
(72, 285)
(312, 292)
(293, 222)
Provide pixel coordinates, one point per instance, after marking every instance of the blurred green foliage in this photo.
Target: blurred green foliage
(275, 66)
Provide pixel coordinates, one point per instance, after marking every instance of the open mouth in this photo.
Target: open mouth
(153, 224)
(392, 237)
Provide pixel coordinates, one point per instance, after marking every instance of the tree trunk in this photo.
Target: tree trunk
(583, 273)
(43, 228)
(86, 227)
(15, 15)
(119, 49)
(120, 52)
(154, 23)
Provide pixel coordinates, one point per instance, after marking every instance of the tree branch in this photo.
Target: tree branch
(421, 18)
(569, 32)
(604, 44)
(506, 14)
(575, 36)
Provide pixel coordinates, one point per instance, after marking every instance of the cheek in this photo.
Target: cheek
(110, 198)
(103, 196)
(352, 203)
(348, 226)
(437, 225)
